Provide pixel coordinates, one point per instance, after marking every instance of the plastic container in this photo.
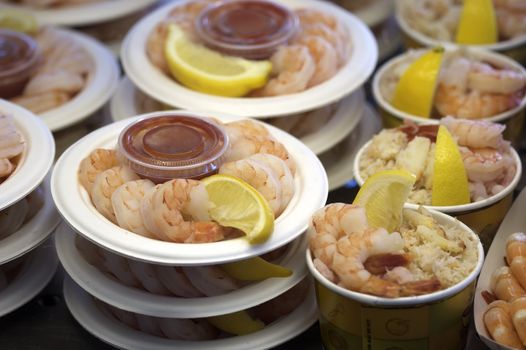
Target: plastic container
(86, 311)
(358, 68)
(352, 320)
(36, 159)
(513, 222)
(252, 29)
(18, 61)
(75, 205)
(483, 217)
(392, 117)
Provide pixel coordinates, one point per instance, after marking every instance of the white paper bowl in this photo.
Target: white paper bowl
(338, 161)
(75, 205)
(35, 273)
(513, 222)
(344, 119)
(83, 307)
(107, 289)
(36, 159)
(84, 14)
(351, 76)
(98, 90)
(33, 232)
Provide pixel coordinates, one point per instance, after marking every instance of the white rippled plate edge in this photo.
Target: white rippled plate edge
(75, 206)
(89, 13)
(38, 157)
(34, 275)
(33, 232)
(107, 289)
(350, 77)
(513, 222)
(82, 306)
(98, 90)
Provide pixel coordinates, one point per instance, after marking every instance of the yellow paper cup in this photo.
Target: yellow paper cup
(392, 117)
(436, 321)
(483, 217)
(514, 48)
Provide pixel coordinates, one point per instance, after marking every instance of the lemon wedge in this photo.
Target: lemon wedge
(383, 196)
(238, 323)
(255, 269)
(18, 21)
(416, 88)
(234, 203)
(450, 181)
(208, 71)
(478, 23)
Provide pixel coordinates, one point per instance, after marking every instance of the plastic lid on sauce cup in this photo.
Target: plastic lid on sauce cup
(173, 146)
(248, 28)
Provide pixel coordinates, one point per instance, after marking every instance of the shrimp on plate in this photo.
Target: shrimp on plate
(324, 57)
(96, 162)
(498, 322)
(11, 146)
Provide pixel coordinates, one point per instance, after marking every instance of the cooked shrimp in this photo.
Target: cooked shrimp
(6, 167)
(105, 184)
(497, 320)
(145, 273)
(187, 329)
(126, 203)
(518, 317)
(486, 164)
(321, 31)
(118, 267)
(11, 143)
(293, 68)
(165, 207)
(484, 78)
(511, 23)
(155, 45)
(13, 217)
(505, 286)
(324, 56)
(475, 134)
(96, 162)
(515, 246)
(173, 278)
(54, 80)
(325, 270)
(210, 280)
(261, 177)
(91, 253)
(42, 102)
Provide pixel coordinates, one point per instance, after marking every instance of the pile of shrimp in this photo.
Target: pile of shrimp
(505, 318)
(177, 210)
(180, 281)
(438, 19)
(16, 215)
(202, 329)
(52, 3)
(467, 87)
(488, 160)
(313, 56)
(64, 71)
(11, 146)
(421, 258)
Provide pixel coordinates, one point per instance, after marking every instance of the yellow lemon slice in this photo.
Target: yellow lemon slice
(383, 196)
(238, 323)
(255, 269)
(18, 21)
(416, 88)
(478, 24)
(208, 71)
(450, 181)
(234, 203)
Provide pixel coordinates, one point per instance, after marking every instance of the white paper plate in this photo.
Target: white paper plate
(513, 222)
(33, 232)
(338, 162)
(96, 93)
(375, 13)
(107, 289)
(36, 159)
(345, 117)
(148, 78)
(82, 306)
(83, 14)
(75, 205)
(33, 276)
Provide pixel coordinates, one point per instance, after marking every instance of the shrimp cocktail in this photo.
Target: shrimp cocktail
(389, 275)
(11, 147)
(497, 25)
(424, 85)
(461, 166)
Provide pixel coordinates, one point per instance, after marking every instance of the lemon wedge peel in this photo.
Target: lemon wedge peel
(202, 69)
(255, 269)
(478, 23)
(383, 196)
(416, 88)
(19, 21)
(238, 323)
(450, 181)
(234, 203)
